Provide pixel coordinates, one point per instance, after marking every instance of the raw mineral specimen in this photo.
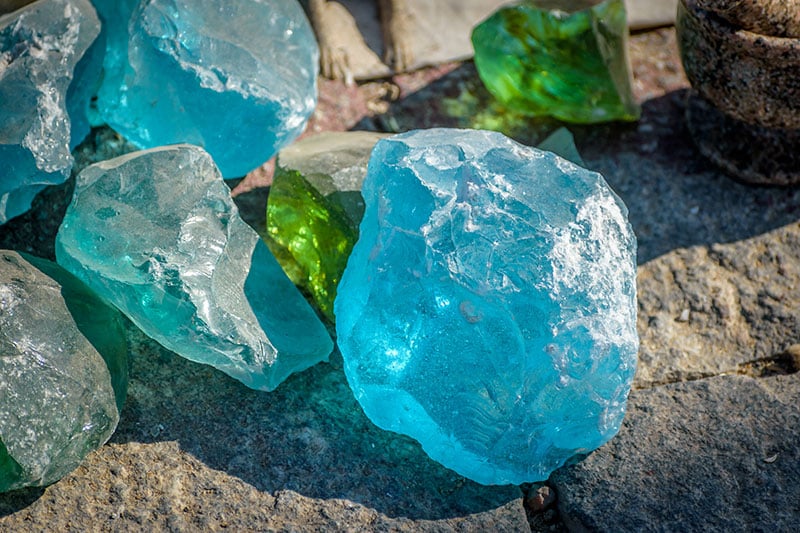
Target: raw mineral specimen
(488, 308)
(562, 143)
(237, 78)
(47, 75)
(315, 207)
(115, 15)
(64, 369)
(572, 66)
(157, 234)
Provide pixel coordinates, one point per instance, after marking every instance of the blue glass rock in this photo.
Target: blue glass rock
(115, 15)
(488, 309)
(157, 234)
(237, 78)
(48, 72)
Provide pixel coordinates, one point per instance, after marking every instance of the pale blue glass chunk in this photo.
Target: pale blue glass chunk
(488, 309)
(63, 371)
(157, 234)
(47, 76)
(237, 78)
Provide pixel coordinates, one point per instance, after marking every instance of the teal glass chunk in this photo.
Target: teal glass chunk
(237, 78)
(48, 72)
(488, 309)
(157, 234)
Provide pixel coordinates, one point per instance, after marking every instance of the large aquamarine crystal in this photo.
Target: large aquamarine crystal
(562, 58)
(237, 78)
(47, 77)
(315, 207)
(157, 234)
(63, 371)
(488, 309)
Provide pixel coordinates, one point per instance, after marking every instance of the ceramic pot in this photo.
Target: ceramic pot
(744, 110)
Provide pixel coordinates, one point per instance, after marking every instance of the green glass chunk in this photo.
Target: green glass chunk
(315, 207)
(567, 59)
(10, 470)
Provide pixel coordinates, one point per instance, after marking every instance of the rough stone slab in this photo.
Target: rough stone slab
(706, 310)
(650, 13)
(197, 450)
(717, 454)
(165, 478)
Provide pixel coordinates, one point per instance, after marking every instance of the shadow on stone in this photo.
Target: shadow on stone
(677, 199)
(309, 436)
(34, 231)
(11, 502)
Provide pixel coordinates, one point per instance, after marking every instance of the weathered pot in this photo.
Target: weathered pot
(778, 18)
(744, 113)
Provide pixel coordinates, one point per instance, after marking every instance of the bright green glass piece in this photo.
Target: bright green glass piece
(315, 207)
(573, 65)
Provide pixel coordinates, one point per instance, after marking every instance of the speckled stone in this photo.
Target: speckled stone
(779, 18)
(753, 82)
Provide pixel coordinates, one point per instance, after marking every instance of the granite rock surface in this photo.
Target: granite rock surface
(715, 454)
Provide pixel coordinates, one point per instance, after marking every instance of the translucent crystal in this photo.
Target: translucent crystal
(115, 15)
(157, 234)
(237, 78)
(64, 371)
(47, 77)
(488, 309)
(562, 143)
(570, 65)
(315, 207)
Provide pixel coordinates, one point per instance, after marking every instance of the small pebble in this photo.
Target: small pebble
(541, 498)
